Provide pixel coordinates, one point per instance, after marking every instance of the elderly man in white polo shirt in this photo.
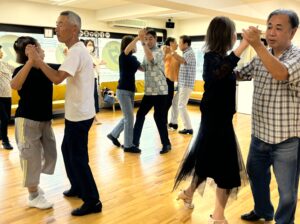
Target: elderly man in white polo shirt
(79, 110)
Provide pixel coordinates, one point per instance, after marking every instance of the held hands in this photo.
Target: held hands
(32, 54)
(142, 35)
(252, 35)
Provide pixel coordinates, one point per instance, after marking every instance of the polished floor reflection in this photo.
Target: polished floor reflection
(134, 188)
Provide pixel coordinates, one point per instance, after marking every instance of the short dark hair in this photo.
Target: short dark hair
(186, 39)
(20, 45)
(169, 40)
(293, 17)
(125, 41)
(152, 32)
(90, 40)
(219, 35)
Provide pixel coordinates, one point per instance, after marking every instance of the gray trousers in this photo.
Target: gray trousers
(37, 149)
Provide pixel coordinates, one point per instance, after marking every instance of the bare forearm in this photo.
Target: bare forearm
(178, 58)
(272, 64)
(131, 46)
(55, 76)
(18, 81)
(240, 49)
(148, 53)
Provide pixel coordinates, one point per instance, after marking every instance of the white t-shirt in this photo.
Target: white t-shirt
(6, 71)
(79, 100)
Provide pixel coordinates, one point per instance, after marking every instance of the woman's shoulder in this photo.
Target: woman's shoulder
(212, 57)
(212, 54)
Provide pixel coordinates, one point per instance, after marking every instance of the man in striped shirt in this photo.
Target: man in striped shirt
(275, 117)
(186, 81)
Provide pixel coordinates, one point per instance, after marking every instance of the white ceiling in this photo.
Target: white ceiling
(243, 10)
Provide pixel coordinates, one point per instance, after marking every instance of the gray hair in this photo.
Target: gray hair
(293, 17)
(73, 18)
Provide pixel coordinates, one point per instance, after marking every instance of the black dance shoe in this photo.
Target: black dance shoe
(132, 149)
(165, 149)
(186, 131)
(114, 140)
(87, 208)
(7, 145)
(70, 193)
(174, 126)
(252, 217)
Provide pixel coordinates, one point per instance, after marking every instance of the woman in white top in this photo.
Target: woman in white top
(90, 45)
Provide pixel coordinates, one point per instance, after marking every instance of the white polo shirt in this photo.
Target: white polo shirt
(79, 100)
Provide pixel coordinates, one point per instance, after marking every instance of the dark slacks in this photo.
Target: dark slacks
(96, 96)
(159, 103)
(5, 108)
(75, 154)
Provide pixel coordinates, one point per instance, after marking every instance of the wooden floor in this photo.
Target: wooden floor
(133, 188)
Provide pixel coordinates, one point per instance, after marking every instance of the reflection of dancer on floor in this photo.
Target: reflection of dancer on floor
(215, 153)
(90, 45)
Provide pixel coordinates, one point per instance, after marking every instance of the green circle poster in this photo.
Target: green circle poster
(110, 54)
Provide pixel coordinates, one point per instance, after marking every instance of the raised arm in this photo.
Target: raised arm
(132, 45)
(55, 76)
(240, 49)
(179, 58)
(272, 64)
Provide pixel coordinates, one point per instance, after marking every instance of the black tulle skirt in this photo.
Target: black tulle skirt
(214, 156)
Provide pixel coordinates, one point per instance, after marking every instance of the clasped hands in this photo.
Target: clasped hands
(32, 54)
(142, 34)
(252, 36)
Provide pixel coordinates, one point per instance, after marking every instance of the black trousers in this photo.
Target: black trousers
(75, 153)
(5, 109)
(170, 95)
(96, 96)
(159, 103)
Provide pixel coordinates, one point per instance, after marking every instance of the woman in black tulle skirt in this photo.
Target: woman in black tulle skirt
(215, 154)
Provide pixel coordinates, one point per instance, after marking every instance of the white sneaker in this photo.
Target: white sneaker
(41, 191)
(40, 202)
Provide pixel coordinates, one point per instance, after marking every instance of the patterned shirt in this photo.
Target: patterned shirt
(155, 80)
(276, 103)
(187, 71)
(6, 71)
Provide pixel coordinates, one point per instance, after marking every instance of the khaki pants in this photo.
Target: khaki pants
(37, 149)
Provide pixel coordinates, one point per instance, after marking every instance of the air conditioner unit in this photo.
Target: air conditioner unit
(128, 23)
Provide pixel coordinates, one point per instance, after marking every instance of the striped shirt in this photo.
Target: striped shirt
(187, 71)
(155, 80)
(276, 103)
